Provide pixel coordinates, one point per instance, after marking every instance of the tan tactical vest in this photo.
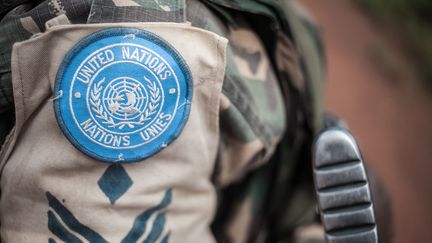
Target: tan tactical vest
(52, 192)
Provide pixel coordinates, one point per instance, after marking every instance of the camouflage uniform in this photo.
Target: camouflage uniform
(269, 109)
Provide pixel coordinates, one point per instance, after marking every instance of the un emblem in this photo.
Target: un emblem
(125, 94)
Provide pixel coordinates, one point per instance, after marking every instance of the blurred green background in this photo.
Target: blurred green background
(412, 20)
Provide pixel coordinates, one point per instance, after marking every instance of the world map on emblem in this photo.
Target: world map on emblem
(124, 94)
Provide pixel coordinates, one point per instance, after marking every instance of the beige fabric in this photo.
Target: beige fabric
(40, 159)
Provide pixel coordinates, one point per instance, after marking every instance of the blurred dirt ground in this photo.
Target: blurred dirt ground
(373, 86)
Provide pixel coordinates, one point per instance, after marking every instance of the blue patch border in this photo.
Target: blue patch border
(121, 31)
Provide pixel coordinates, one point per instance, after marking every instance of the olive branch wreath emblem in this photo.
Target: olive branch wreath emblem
(151, 109)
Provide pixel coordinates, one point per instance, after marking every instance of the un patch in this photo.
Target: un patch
(125, 94)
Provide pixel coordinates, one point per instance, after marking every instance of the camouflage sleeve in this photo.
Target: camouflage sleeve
(263, 171)
(267, 121)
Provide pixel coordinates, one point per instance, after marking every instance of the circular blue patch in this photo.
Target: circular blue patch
(123, 95)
